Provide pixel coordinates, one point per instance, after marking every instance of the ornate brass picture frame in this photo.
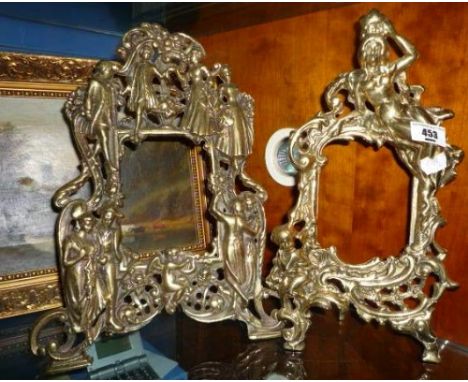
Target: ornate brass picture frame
(385, 110)
(160, 89)
(32, 93)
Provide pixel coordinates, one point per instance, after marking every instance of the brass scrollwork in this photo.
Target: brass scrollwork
(159, 88)
(383, 108)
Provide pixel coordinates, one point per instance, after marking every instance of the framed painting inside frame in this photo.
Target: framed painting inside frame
(37, 156)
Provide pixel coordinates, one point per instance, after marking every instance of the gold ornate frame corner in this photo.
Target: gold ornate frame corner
(383, 108)
(26, 75)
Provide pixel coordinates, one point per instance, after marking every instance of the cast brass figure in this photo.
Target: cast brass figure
(160, 89)
(383, 108)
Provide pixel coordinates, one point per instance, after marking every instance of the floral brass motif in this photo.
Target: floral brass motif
(383, 105)
(160, 88)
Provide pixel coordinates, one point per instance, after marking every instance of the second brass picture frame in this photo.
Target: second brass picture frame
(379, 108)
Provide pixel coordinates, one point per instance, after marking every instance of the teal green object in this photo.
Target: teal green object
(129, 357)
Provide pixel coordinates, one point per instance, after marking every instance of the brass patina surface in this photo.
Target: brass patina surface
(382, 106)
(159, 88)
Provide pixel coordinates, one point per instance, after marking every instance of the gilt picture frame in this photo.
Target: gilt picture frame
(37, 155)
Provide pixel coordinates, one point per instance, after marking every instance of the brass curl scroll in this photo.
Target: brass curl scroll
(158, 88)
(385, 110)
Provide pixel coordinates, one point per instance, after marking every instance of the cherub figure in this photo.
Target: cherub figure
(290, 264)
(174, 276)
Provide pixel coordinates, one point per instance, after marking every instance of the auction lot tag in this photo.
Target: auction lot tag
(424, 132)
(432, 165)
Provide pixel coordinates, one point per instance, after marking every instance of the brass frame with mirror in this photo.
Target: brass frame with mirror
(159, 89)
(384, 110)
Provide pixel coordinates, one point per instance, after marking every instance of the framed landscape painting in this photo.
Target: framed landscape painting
(167, 205)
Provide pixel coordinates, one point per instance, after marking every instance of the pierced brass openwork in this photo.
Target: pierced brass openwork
(384, 107)
(159, 89)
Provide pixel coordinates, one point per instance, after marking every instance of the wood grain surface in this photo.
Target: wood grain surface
(352, 350)
(286, 65)
(202, 19)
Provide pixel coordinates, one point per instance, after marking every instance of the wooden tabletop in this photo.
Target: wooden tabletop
(350, 350)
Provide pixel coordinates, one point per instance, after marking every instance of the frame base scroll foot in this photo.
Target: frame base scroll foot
(421, 331)
(429, 341)
(262, 328)
(294, 346)
(67, 351)
(264, 331)
(298, 322)
(58, 367)
(431, 354)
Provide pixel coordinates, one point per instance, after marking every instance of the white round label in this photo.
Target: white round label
(277, 159)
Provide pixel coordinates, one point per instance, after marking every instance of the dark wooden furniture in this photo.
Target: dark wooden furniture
(352, 350)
